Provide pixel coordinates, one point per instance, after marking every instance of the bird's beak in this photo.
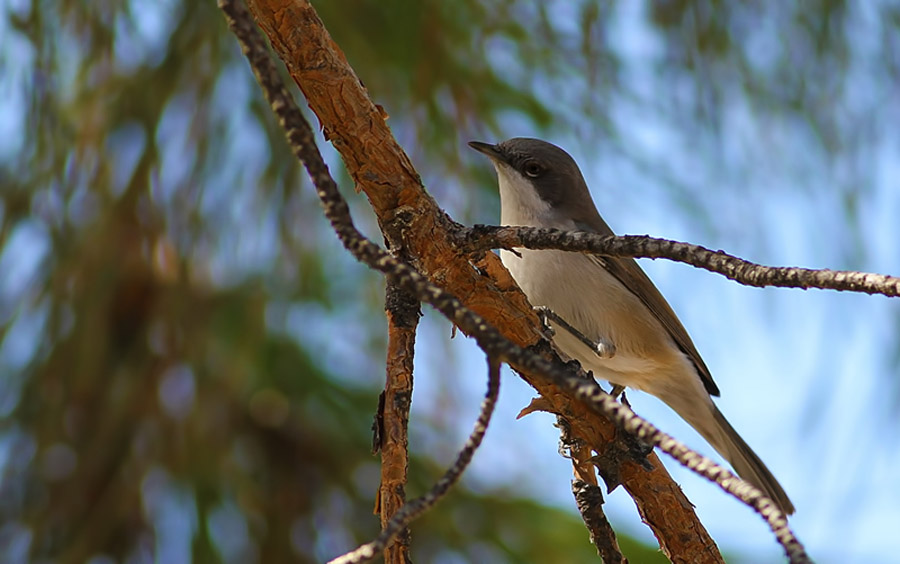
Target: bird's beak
(491, 151)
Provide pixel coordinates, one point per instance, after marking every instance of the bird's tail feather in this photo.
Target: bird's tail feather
(722, 436)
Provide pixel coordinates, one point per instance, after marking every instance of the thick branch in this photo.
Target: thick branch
(381, 169)
(483, 237)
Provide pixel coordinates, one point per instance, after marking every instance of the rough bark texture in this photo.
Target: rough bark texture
(589, 499)
(403, 317)
(411, 218)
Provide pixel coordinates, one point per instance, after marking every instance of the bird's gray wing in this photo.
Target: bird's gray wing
(632, 276)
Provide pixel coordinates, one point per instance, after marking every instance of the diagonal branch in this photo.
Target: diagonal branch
(484, 237)
(547, 374)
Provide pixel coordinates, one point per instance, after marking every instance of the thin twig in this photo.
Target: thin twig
(301, 139)
(413, 509)
(483, 237)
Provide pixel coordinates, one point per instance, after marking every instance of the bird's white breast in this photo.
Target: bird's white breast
(596, 304)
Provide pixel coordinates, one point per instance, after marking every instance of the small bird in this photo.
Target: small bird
(609, 300)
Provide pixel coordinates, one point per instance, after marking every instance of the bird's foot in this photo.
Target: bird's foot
(602, 347)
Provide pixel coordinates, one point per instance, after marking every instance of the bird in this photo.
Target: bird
(609, 300)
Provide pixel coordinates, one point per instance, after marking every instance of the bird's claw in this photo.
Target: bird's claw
(603, 348)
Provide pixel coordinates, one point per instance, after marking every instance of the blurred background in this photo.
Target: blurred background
(190, 362)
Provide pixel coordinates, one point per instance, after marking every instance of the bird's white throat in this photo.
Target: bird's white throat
(520, 204)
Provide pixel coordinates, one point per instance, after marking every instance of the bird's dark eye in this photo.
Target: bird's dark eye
(533, 169)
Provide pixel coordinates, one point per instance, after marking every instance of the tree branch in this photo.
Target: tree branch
(552, 376)
(588, 496)
(589, 499)
(403, 313)
(484, 237)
